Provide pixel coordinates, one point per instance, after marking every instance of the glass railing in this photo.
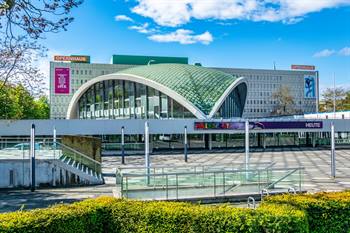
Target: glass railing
(45, 148)
(20, 148)
(127, 146)
(169, 183)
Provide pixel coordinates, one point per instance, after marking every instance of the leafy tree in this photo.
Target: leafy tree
(18, 103)
(22, 23)
(42, 108)
(328, 95)
(285, 104)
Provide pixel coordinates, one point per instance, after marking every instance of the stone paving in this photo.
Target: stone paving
(316, 178)
(316, 164)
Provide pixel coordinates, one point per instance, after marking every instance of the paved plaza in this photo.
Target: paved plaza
(316, 177)
(316, 163)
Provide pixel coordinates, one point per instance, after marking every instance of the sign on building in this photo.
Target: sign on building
(309, 86)
(73, 58)
(302, 67)
(258, 125)
(62, 80)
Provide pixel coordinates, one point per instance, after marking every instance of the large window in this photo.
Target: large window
(116, 99)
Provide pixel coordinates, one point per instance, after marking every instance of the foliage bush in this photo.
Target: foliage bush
(326, 212)
(107, 214)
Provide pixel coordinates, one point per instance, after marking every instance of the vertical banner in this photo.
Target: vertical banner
(62, 81)
(309, 86)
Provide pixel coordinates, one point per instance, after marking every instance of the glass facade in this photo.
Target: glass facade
(161, 142)
(121, 99)
(233, 105)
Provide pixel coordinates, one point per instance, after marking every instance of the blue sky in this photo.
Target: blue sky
(222, 33)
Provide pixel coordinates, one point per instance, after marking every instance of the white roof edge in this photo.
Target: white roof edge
(227, 92)
(72, 107)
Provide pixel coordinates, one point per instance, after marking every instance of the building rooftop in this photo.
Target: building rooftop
(201, 86)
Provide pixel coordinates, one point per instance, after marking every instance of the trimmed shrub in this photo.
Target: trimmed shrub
(86, 216)
(326, 212)
(181, 217)
(117, 215)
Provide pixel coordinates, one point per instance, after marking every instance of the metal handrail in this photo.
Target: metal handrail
(211, 172)
(283, 177)
(214, 183)
(79, 153)
(251, 203)
(292, 190)
(189, 165)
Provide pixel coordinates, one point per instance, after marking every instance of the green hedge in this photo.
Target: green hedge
(326, 212)
(116, 215)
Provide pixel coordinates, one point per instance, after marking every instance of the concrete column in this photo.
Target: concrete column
(264, 141)
(259, 139)
(210, 142)
(206, 141)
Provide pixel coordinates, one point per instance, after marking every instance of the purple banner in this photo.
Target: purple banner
(259, 125)
(62, 81)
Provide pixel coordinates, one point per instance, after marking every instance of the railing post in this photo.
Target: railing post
(223, 181)
(126, 186)
(259, 181)
(54, 142)
(121, 185)
(177, 187)
(300, 179)
(32, 151)
(214, 184)
(167, 187)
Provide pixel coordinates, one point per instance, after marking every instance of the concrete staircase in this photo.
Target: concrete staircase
(78, 173)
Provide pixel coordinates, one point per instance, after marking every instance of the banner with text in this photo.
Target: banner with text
(62, 80)
(309, 86)
(259, 125)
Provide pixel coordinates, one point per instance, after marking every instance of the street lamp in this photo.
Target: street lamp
(150, 61)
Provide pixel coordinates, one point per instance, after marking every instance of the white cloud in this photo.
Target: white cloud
(344, 51)
(324, 53)
(144, 28)
(178, 12)
(183, 36)
(123, 18)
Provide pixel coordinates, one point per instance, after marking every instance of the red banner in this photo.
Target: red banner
(62, 80)
(303, 67)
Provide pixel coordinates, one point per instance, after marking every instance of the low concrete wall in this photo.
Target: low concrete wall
(16, 173)
(89, 146)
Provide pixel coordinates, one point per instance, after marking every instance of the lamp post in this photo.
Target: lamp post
(247, 144)
(150, 61)
(147, 159)
(247, 147)
(332, 150)
(32, 153)
(123, 149)
(334, 100)
(185, 143)
(54, 155)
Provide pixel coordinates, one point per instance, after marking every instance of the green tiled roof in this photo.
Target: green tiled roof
(199, 85)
